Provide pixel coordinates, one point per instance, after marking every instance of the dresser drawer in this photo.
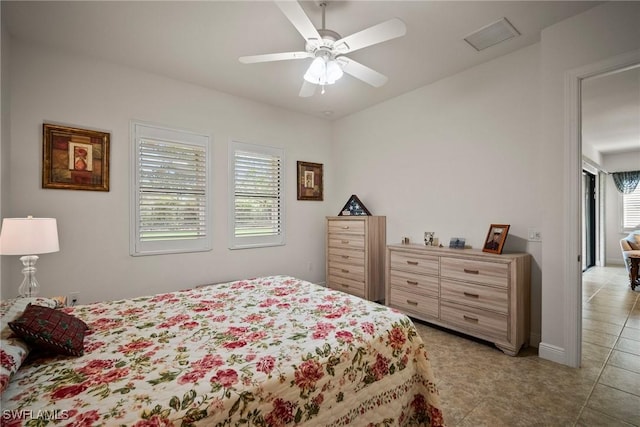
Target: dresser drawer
(414, 264)
(485, 323)
(347, 256)
(346, 227)
(480, 296)
(414, 283)
(349, 286)
(411, 303)
(490, 273)
(353, 272)
(345, 241)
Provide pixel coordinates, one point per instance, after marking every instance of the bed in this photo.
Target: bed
(269, 351)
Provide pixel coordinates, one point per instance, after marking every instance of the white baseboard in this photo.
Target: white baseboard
(552, 353)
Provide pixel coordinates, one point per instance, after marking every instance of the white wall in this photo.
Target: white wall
(593, 36)
(94, 226)
(452, 157)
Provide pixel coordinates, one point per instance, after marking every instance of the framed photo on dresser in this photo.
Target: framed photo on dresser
(496, 237)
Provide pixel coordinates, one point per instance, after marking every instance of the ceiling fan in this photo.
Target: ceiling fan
(328, 49)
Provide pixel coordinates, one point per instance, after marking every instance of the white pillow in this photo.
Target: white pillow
(14, 350)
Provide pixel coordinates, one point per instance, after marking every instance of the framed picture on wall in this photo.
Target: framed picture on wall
(496, 237)
(75, 158)
(309, 181)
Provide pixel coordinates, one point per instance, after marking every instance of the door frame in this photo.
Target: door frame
(573, 183)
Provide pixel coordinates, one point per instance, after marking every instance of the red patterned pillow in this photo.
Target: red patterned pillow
(52, 329)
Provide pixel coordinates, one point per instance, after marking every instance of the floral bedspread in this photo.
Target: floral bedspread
(271, 351)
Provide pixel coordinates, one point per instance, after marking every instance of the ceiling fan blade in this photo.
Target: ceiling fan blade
(293, 11)
(362, 72)
(382, 32)
(307, 89)
(274, 57)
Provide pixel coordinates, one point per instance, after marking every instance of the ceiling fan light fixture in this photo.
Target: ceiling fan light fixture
(323, 71)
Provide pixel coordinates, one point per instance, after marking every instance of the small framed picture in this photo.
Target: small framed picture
(457, 243)
(309, 181)
(496, 237)
(75, 158)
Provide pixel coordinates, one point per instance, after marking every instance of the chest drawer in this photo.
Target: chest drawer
(414, 264)
(485, 323)
(412, 303)
(414, 283)
(490, 273)
(491, 298)
(346, 241)
(346, 227)
(346, 256)
(347, 285)
(353, 272)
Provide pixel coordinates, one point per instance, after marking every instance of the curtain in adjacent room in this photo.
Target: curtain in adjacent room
(626, 182)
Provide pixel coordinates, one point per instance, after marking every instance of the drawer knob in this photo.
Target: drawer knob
(346, 227)
(412, 282)
(345, 241)
(412, 302)
(345, 256)
(467, 294)
(470, 319)
(345, 270)
(412, 262)
(466, 270)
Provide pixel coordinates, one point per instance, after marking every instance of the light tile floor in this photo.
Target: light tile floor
(480, 386)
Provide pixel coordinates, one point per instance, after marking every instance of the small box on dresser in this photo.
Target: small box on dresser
(477, 293)
(355, 251)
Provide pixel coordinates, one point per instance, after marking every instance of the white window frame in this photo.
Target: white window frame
(245, 242)
(628, 201)
(139, 246)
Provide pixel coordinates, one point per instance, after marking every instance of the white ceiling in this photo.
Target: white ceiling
(200, 42)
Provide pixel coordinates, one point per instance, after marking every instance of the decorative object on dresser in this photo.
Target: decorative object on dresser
(496, 237)
(355, 255)
(309, 181)
(74, 158)
(28, 237)
(457, 242)
(477, 293)
(354, 207)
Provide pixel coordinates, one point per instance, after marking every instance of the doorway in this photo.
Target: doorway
(588, 220)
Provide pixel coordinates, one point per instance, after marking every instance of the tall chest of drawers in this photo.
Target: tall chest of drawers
(480, 294)
(355, 253)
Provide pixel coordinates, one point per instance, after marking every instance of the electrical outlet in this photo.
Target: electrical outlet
(535, 235)
(74, 297)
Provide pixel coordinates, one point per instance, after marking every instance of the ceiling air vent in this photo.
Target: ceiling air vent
(491, 34)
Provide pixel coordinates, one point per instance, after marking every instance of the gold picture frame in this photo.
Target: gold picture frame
(310, 186)
(75, 158)
(496, 237)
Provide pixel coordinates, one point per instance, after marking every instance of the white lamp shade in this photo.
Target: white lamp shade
(316, 71)
(29, 236)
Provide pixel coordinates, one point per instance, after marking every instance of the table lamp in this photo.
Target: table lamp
(28, 237)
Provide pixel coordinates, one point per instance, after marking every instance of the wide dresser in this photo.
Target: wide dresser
(481, 294)
(355, 251)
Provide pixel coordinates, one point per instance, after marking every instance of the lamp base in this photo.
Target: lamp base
(29, 286)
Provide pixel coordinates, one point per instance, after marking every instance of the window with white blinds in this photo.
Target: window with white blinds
(631, 210)
(170, 200)
(256, 184)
